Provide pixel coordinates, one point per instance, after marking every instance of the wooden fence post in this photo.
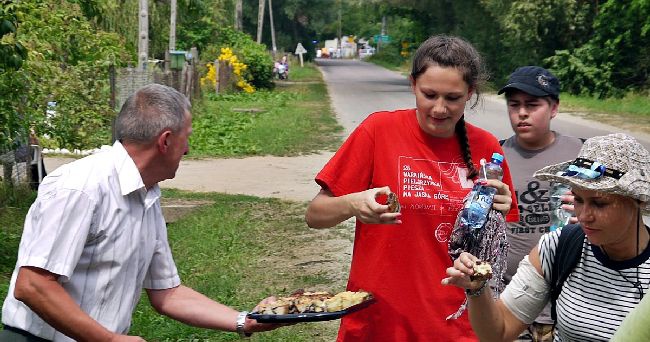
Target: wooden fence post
(216, 65)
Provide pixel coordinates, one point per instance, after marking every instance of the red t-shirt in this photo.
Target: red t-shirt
(402, 265)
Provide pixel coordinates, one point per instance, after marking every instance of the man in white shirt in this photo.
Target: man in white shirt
(95, 236)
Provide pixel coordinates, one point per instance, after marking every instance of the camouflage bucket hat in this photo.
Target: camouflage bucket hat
(614, 164)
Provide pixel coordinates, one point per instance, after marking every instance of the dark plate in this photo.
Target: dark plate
(308, 316)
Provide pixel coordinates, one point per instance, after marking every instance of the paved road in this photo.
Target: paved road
(358, 88)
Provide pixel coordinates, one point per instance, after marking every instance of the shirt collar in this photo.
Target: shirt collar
(128, 174)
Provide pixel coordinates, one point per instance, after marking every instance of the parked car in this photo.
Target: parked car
(363, 53)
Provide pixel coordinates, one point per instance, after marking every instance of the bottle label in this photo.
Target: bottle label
(477, 207)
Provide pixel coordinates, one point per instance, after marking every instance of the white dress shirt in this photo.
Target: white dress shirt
(95, 224)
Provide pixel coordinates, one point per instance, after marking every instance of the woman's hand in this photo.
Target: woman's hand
(503, 199)
(458, 275)
(567, 204)
(366, 209)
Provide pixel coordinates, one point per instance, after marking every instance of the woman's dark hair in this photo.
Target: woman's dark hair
(453, 52)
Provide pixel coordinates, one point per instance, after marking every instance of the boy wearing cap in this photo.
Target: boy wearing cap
(532, 96)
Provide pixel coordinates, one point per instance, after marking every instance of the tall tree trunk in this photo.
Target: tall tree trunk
(238, 15)
(272, 28)
(260, 20)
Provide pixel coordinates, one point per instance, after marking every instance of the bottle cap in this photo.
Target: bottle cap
(497, 156)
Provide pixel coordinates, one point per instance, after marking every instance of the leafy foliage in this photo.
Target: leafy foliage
(260, 64)
(12, 53)
(196, 21)
(615, 60)
(12, 56)
(67, 63)
(532, 31)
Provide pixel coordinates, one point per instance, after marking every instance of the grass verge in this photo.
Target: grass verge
(238, 251)
(632, 104)
(14, 203)
(631, 112)
(293, 119)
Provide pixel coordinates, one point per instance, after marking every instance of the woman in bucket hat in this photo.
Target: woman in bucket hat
(610, 180)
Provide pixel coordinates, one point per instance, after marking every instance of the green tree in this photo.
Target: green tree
(67, 62)
(12, 57)
(616, 58)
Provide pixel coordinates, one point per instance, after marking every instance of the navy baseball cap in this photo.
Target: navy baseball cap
(533, 80)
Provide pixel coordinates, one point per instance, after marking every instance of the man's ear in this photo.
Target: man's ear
(163, 141)
(412, 83)
(555, 105)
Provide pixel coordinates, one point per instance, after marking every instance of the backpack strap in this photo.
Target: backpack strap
(567, 255)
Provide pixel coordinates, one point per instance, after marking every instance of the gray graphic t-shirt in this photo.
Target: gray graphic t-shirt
(533, 195)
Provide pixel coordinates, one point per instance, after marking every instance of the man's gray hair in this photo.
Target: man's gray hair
(150, 110)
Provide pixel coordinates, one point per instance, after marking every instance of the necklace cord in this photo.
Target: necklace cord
(637, 283)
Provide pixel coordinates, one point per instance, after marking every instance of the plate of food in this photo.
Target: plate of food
(304, 306)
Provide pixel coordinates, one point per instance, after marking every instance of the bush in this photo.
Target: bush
(388, 55)
(582, 74)
(15, 196)
(260, 64)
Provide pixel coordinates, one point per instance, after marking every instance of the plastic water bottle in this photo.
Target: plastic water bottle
(479, 203)
(559, 216)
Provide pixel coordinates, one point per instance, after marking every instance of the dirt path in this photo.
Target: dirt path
(290, 178)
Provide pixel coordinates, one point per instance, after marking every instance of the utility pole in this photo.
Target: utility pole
(238, 15)
(143, 34)
(260, 20)
(383, 32)
(172, 35)
(172, 27)
(338, 31)
(272, 29)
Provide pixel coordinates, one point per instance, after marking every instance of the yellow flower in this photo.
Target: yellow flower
(237, 67)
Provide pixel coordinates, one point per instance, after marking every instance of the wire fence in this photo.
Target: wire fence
(16, 165)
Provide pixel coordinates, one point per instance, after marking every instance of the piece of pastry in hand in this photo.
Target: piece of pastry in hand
(393, 203)
(482, 271)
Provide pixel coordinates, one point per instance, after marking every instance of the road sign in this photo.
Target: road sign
(300, 49)
(384, 38)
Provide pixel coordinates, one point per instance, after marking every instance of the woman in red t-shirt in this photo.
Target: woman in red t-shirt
(427, 157)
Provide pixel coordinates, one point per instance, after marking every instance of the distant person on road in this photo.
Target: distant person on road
(428, 156)
(281, 68)
(95, 237)
(533, 97)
